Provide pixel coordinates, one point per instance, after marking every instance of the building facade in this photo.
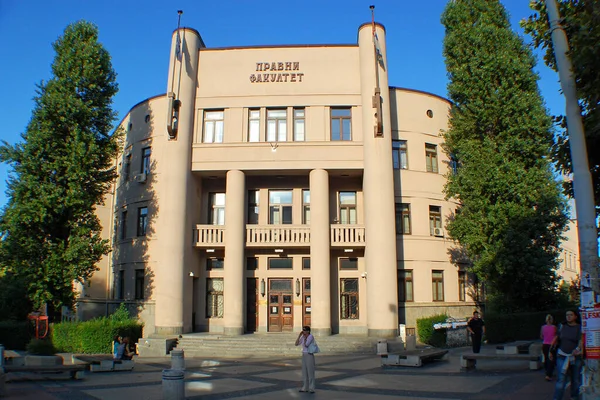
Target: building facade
(281, 186)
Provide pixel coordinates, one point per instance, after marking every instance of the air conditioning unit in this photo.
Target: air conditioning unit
(439, 232)
(140, 178)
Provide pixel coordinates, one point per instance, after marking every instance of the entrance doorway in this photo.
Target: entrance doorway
(251, 304)
(306, 306)
(281, 306)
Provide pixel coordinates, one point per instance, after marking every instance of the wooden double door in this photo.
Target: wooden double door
(281, 305)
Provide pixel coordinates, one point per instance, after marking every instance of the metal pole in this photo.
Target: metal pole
(583, 189)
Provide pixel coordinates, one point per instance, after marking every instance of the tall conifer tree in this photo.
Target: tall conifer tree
(512, 214)
(61, 171)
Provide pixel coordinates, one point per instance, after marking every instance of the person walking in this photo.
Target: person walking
(547, 333)
(305, 339)
(568, 358)
(476, 328)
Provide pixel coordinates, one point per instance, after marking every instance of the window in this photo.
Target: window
(121, 285)
(146, 160)
(348, 207)
(280, 263)
(479, 289)
(254, 125)
(253, 206)
(127, 167)
(216, 208)
(454, 164)
(213, 126)
(123, 225)
(402, 219)
(431, 157)
(214, 298)
(435, 220)
(349, 263)
(400, 154)
(280, 207)
(437, 281)
(306, 263)
(214, 263)
(349, 298)
(341, 124)
(139, 284)
(405, 286)
(251, 264)
(142, 221)
(299, 125)
(276, 125)
(462, 285)
(306, 207)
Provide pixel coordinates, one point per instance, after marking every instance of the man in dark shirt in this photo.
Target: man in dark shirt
(476, 328)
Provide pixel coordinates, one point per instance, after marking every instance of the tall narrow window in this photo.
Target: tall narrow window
(299, 125)
(216, 208)
(405, 286)
(254, 125)
(124, 225)
(305, 262)
(214, 298)
(462, 285)
(142, 221)
(127, 167)
(400, 154)
(341, 124)
(402, 219)
(121, 285)
(280, 207)
(435, 221)
(213, 126)
(437, 282)
(454, 164)
(431, 158)
(253, 206)
(349, 298)
(306, 207)
(139, 284)
(276, 125)
(348, 207)
(146, 160)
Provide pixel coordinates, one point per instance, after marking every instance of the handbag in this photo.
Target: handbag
(313, 348)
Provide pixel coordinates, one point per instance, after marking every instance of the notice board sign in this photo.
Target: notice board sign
(591, 332)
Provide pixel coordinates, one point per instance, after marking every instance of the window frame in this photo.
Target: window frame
(406, 280)
(215, 311)
(400, 148)
(123, 228)
(140, 275)
(347, 298)
(353, 260)
(435, 219)
(121, 282)
(217, 122)
(346, 209)
(290, 267)
(299, 119)
(431, 158)
(437, 285)
(279, 121)
(142, 225)
(462, 285)
(282, 207)
(402, 213)
(146, 154)
(251, 263)
(215, 210)
(212, 266)
(253, 137)
(253, 207)
(305, 262)
(305, 207)
(339, 120)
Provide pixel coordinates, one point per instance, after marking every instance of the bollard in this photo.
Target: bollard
(173, 385)
(177, 360)
(382, 347)
(411, 342)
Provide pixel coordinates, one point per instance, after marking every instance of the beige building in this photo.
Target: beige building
(269, 189)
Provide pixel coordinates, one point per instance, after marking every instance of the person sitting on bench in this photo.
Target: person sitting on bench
(123, 352)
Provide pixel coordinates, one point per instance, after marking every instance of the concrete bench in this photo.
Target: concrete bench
(104, 363)
(75, 371)
(469, 361)
(413, 358)
(521, 347)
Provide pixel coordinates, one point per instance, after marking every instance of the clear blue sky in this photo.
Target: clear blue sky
(137, 35)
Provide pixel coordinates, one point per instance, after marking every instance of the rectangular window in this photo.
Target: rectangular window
(306, 207)
(306, 263)
(280, 207)
(253, 206)
(280, 263)
(142, 221)
(127, 167)
(276, 125)
(349, 263)
(462, 285)
(216, 208)
(437, 281)
(431, 157)
(349, 298)
(214, 263)
(400, 154)
(347, 207)
(299, 125)
(146, 160)
(405, 286)
(139, 284)
(254, 125)
(214, 298)
(479, 289)
(124, 225)
(213, 126)
(341, 124)
(454, 164)
(402, 219)
(251, 264)
(121, 284)
(435, 221)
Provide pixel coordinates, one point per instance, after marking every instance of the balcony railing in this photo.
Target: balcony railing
(209, 235)
(277, 235)
(347, 235)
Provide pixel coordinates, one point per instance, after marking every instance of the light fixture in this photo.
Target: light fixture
(210, 250)
(297, 287)
(364, 275)
(262, 288)
(274, 146)
(278, 250)
(192, 274)
(348, 250)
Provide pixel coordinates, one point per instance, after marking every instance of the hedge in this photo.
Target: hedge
(93, 337)
(14, 335)
(429, 335)
(503, 328)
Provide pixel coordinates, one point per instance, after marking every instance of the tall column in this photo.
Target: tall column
(233, 317)
(173, 182)
(320, 253)
(378, 191)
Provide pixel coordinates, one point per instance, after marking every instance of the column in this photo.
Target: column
(233, 317)
(320, 253)
(378, 192)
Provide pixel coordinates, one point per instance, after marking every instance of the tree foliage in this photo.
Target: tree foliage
(61, 171)
(581, 20)
(511, 215)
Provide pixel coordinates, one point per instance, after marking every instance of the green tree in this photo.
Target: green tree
(511, 215)
(61, 171)
(581, 20)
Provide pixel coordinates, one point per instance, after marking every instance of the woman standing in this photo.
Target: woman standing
(308, 360)
(547, 334)
(568, 358)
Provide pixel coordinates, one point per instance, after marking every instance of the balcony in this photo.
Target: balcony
(209, 236)
(277, 235)
(347, 235)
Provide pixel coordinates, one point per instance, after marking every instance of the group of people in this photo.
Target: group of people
(121, 350)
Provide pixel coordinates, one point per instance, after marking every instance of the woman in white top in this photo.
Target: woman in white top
(308, 360)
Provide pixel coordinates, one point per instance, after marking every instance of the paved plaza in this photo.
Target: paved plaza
(338, 377)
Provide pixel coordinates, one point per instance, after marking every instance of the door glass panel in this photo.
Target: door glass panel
(274, 299)
(284, 285)
(307, 299)
(307, 284)
(274, 310)
(287, 299)
(307, 310)
(287, 310)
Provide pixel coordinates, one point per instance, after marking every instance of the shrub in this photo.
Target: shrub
(41, 347)
(429, 335)
(15, 335)
(502, 328)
